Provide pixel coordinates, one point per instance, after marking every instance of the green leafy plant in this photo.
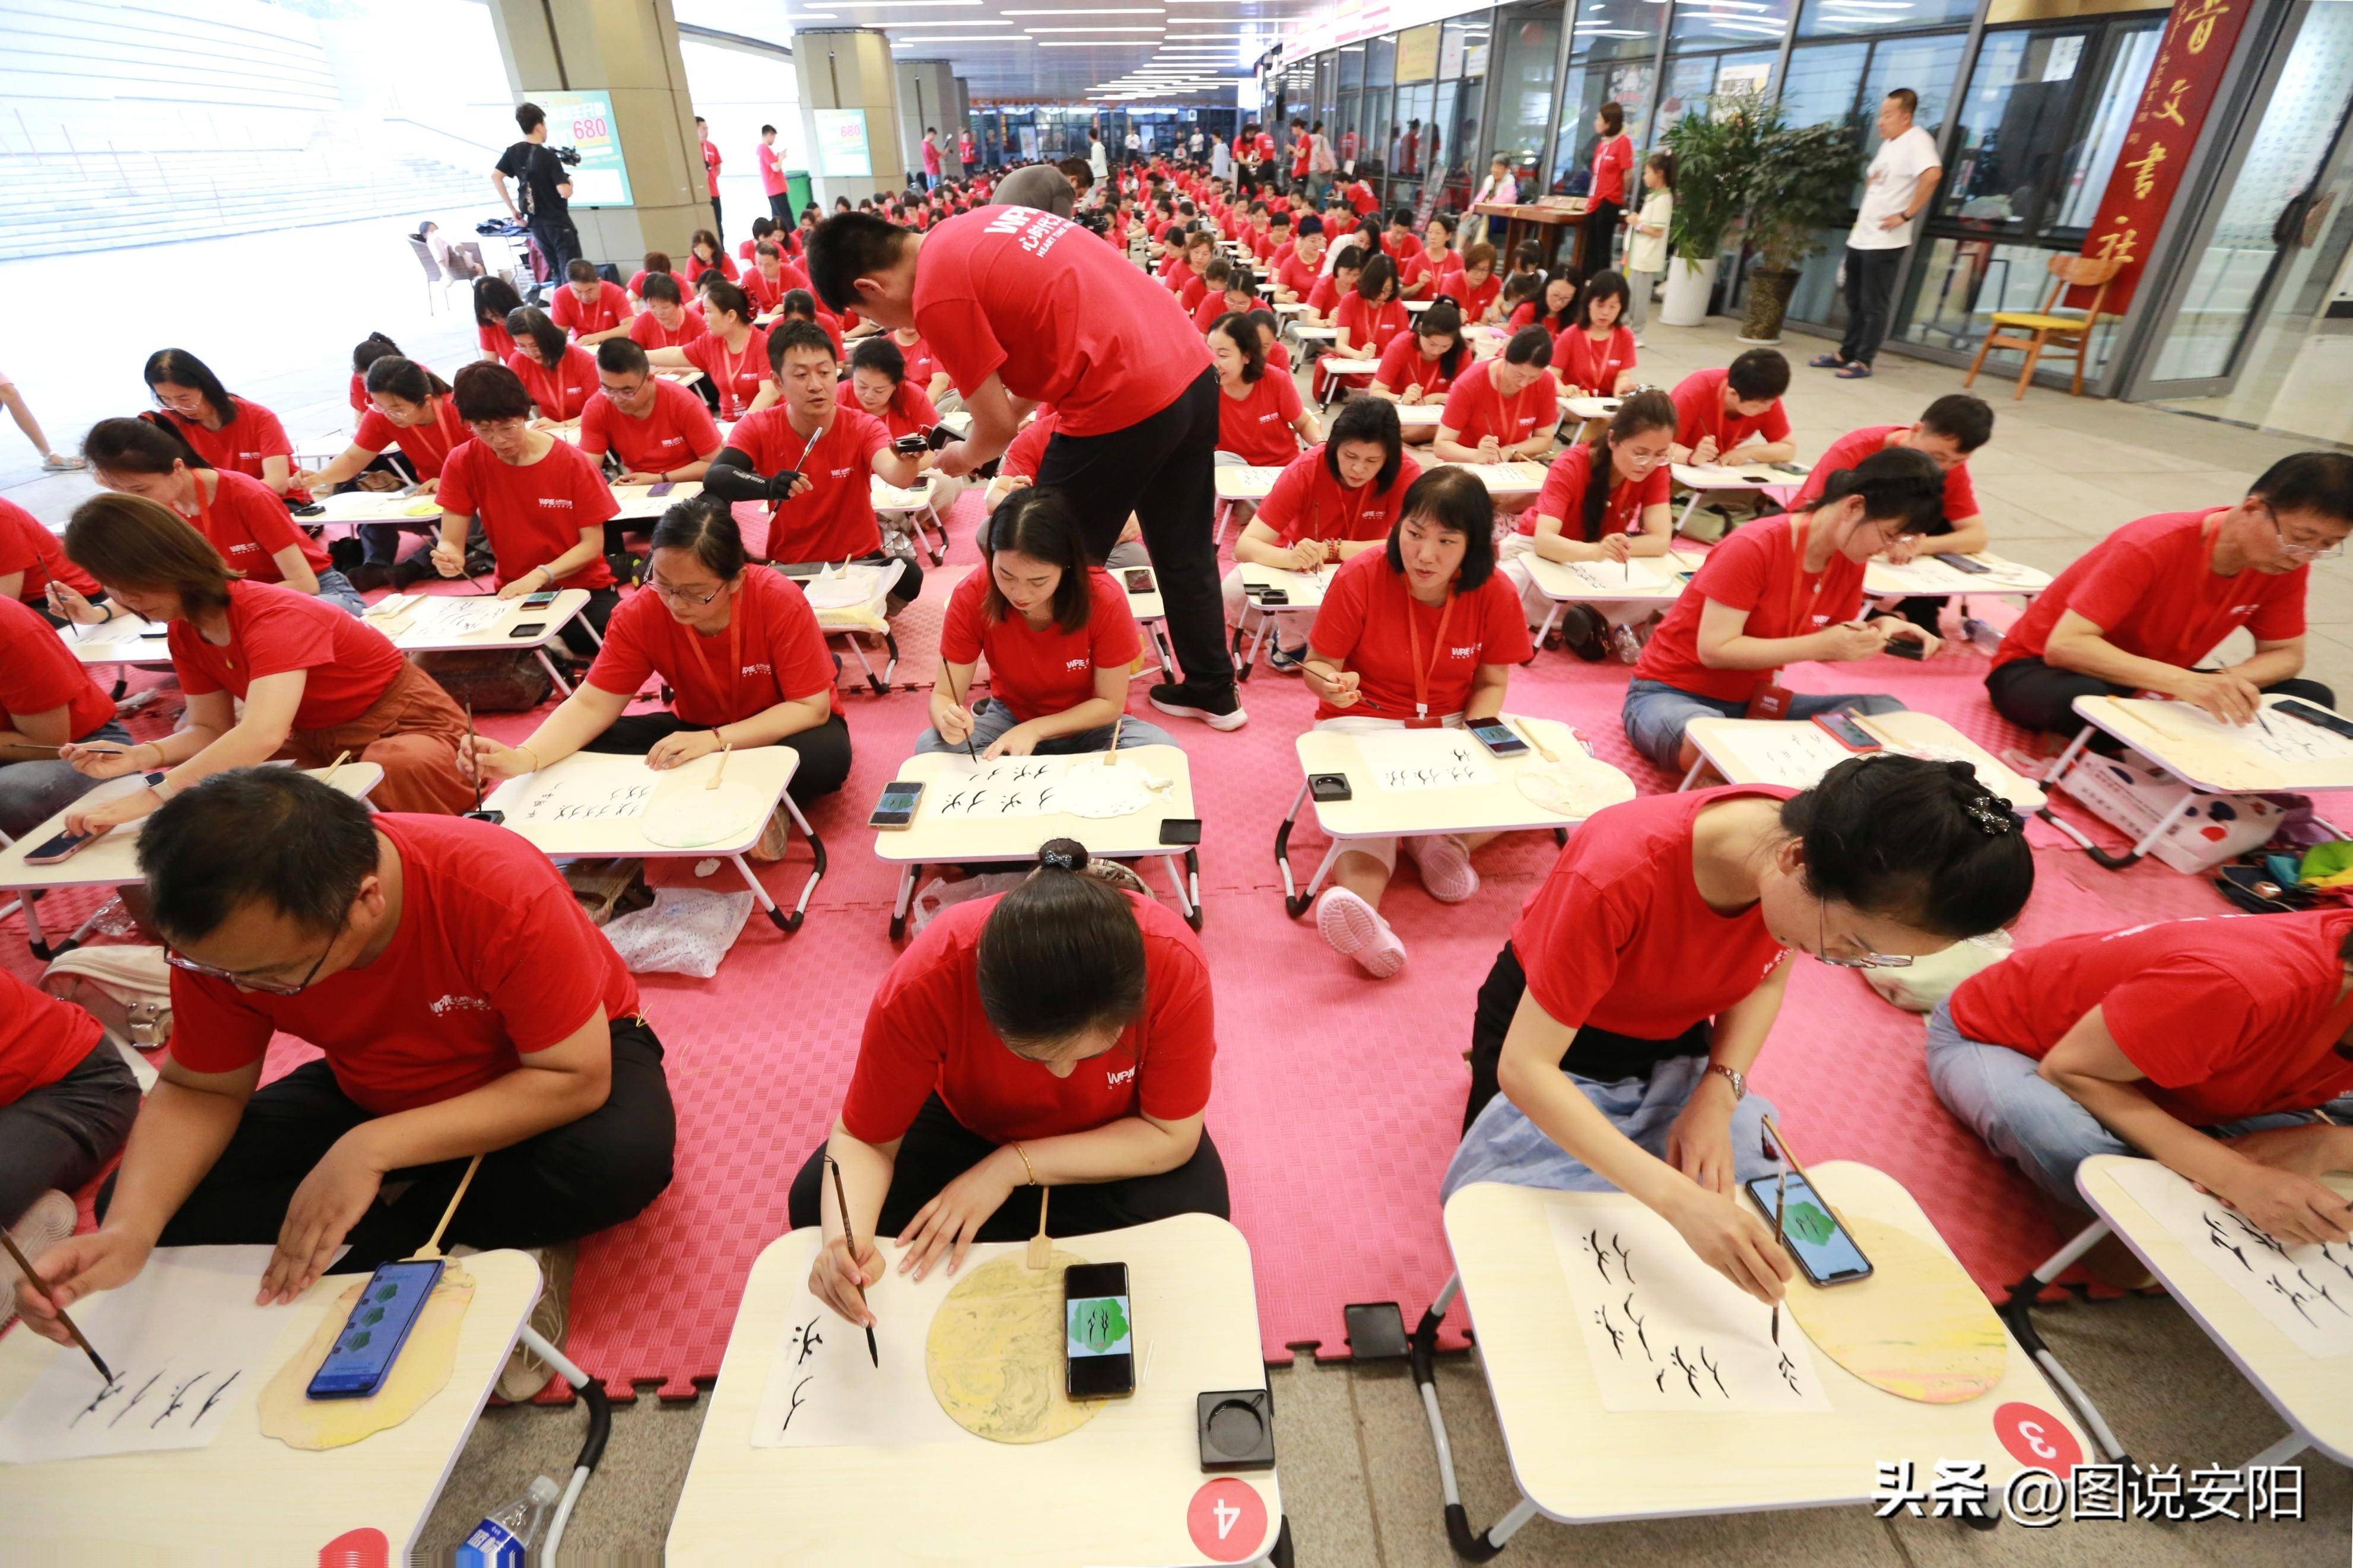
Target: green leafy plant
(1801, 184)
(1715, 144)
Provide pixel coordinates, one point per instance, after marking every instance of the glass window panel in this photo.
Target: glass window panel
(1531, 39)
(2093, 158)
(1418, 146)
(1380, 61)
(1930, 67)
(1848, 18)
(1352, 68)
(1344, 143)
(1731, 21)
(2014, 129)
(1689, 79)
(1821, 88)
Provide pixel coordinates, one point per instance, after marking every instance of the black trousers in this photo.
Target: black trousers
(937, 1149)
(718, 225)
(824, 751)
(557, 1186)
(780, 207)
(59, 1134)
(2038, 696)
(1163, 468)
(596, 612)
(1601, 225)
(559, 242)
(1599, 1054)
(1870, 286)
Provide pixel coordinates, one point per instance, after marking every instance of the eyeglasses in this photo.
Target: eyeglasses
(1865, 960)
(681, 595)
(2296, 549)
(178, 960)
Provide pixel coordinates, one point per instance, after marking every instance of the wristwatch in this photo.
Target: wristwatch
(1738, 1079)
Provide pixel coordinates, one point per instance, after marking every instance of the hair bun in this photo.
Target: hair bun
(1962, 771)
(1062, 855)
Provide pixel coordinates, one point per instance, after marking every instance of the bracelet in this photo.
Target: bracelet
(159, 751)
(532, 754)
(1029, 1168)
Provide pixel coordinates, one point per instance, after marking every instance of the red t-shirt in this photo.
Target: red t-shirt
(771, 171)
(1612, 161)
(1594, 366)
(532, 512)
(767, 293)
(38, 672)
(1036, 673)
(1618, 936)
(1403, 366)
(1360, 197)
(1475, 410)
(493, 959)
(696, 266)
(1474, 301)
(561, 392)
(42, 1038)
(909, 411)
(1524, 314)
(1363, 622)
(27, 545)
(772, 645)
(834, 519)
(1324, 297)
(926, 1030)
(426, 446)
(2151, 589)
(1189, 297)
(242, 443)
(1369, 327)
(999, 292)
(735, 376)
(1960, 496)
(1754, 569)
(1307, 503)
(648, 332)
(1563, 497)
(922, 364)
(346, 663)
(248, 525)
(1298, 274)
(679, 431)
(496, 341)
(637, 284)
(2228, 1017)
(1699, 407)
(609, 309)
(1259, 427)
(1211, 306)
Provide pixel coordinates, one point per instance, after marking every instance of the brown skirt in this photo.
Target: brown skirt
(412, 734)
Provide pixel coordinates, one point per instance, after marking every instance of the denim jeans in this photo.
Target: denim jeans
(993, 718)
(337, 590)
(2032, 1122)
(1503, 1145)
(1655, 714)
(33, 791)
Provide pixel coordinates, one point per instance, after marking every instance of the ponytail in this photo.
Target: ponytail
(147, 444)
(1059, 954)
(1923, 842)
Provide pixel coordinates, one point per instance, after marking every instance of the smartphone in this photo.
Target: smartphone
(64, 846)
(1098, 1325)
(1499, 740)
(897, 807)
(527, 629)
(540, 600)
(156, 632)
(910, 446)
(1905, 647)
(1814, 1236)
(1329, 786)
(1139, 580)
(1846, 732)
(1181, 830)
(372, 1336)
(1962, 564)
(2297, 707)
(662, 489)
(938, 437)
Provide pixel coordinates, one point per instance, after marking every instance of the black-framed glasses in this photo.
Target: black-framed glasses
(1865, 960)
(681, 595)
(179, 960)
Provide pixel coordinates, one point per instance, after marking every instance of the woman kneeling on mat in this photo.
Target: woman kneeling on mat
(1602, 502)
(1615, 1033)
(1778, 590)
(1434, 588)
(1059, 1036)
(1060, 644)
(740, 647)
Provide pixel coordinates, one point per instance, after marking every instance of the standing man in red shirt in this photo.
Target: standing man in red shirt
(466, 1006)
(2140, 610)
(711, 161)
(1019, 314)
(772, 180)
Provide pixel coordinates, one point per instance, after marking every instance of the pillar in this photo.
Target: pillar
(845, 71)
(963, 122)
(626, 49)
(927, 100)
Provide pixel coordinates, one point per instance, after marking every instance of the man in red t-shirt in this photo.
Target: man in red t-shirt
(466, 1007)
(1019, 315)
(710, 161)
(588, 308)
(2143, 610)
(659, 432)
(1951, 428)
(772, 177)
(1734, 415)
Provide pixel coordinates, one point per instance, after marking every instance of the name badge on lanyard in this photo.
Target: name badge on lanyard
(1422, 718)
(1772, 701)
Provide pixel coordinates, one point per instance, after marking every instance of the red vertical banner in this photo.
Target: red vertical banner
(2197, 43)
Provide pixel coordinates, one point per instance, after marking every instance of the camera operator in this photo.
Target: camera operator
(546, 192)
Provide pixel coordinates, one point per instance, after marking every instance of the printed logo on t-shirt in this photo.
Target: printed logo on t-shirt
(563, 501)
(1469, 652)
(1114, 1079)
(244, 550)
(1075, 664)
(755, 670)
(445, 1005)
(841, 473)
(2244, 609)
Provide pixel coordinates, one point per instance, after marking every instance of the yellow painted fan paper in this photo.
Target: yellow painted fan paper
(1918, 1327)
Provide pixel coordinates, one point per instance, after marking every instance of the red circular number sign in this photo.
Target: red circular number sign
(1228, 1519)
(2035, 1437)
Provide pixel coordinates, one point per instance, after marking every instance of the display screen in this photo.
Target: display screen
(1098, 1325)
(1813, 1232)
(378, 1328)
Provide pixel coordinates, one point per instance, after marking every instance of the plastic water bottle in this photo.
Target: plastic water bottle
(504, 1540)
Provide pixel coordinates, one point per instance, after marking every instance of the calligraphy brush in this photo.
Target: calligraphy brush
(49, 1294)
(841, 1200)
(477, 814)
(950, 676)
(1780, 1191)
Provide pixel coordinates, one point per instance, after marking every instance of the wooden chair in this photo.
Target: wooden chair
(2048, 331)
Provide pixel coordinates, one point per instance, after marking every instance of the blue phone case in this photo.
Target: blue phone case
(371, 1338)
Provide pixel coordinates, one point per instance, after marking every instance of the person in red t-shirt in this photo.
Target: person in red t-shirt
(1775, 592)
(812, 461)
(1018, 317)
(1233, 291)
(494, 300)
(1953, 426)
(1616, 1034)
(365, 352)
(657, 430)
(2079, 1048)
(1476, 286)
(1433, 586)
(466, 1007)
(46, 699)
(1058, 1036)
(587, 307)
(543, 503)
(67, 1101)
(1296, 275)
(1261, 423)
(1331, 503)
(557, 375)
(244, 521)
(924, 370)
(2143, 610)
(1340, 283)
(1607, 523)
(881, 383)
(667, 322)
(1734, 415)
(733, 353)
(1595, 356)
(771, 178)
(1502, 409)
(411, 408)
(1059, 642)
(1419, 366)
(1366, 321)
(269, 673)
(737, 643)
(706, 254)
(1189, 281)
(31, 557)
(657, 265)
(1613, 162)
(229, 432)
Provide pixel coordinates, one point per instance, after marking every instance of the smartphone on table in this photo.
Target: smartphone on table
(1099, 1324)
(897, 808)
(662, 489)
(2297, 707)
(1846, 732)
(1139, 580)
(540, 600)
(527, 629)
(1180, 830)
(1811, 1232)
(388, 1308)
(1499, 740)
(65, 846)
(1962, 564)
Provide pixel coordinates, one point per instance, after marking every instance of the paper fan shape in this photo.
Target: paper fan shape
(691, 817)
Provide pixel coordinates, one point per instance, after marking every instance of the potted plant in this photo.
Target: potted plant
(1801, 184)
(1715, 145)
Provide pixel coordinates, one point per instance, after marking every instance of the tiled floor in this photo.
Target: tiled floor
(1357, 1470)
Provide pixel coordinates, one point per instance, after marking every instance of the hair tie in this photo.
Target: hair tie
(1059, 859)
(1992, 815)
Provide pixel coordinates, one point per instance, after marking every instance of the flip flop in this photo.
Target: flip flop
(1826, 361)
(1856, 372)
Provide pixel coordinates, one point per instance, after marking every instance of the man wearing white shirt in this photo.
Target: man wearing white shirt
(1098, 157)
(1901, 183)
(1221, 158)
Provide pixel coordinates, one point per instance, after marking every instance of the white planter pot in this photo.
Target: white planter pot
(1689, 284)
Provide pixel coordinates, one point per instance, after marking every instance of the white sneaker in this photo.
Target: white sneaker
(46, 1222)
(1445, 862)
(1356, 930)
(525, 1374)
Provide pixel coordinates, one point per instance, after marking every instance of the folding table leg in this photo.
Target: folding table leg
(1552, 620)
(1422, 1352)
(2018, 1312)
(1186, 901)
(1292, 901)
(548, 664)
(906, 900)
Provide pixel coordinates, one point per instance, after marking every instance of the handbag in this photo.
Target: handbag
(127, 988)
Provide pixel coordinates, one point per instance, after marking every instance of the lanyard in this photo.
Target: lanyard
(442, 414)
(1800, 620)
(728, 367)
(1423, 670)
(1363, 494)
(694, 640)
(1512, 415)
(551, 380)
